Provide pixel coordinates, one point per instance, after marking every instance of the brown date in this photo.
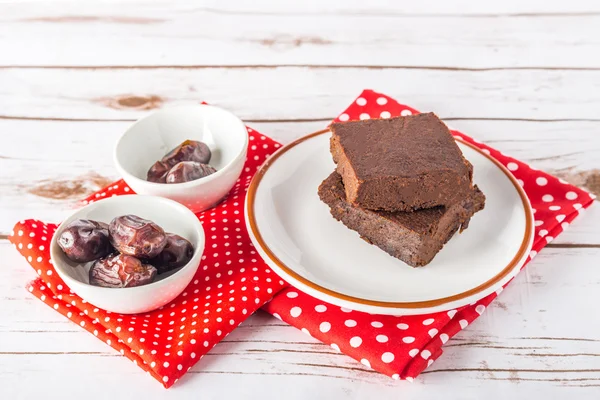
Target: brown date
(187, 171)
(84, 240)
(177, 253)
(120, 271)
(138, 237)
(189, 150)
(158, 172)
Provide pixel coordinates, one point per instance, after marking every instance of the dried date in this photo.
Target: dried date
(189, 171)
(177, 253)
(84, 240)
(138, 237)
(158, 172)
(120, 271)
(189, 150)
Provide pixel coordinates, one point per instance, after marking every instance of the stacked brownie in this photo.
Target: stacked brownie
(402, 184)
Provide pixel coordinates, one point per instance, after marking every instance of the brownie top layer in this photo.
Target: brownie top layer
(420, 221)
(403, 146)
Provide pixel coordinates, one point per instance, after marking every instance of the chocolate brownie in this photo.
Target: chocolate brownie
(400, 164)
(413, 237)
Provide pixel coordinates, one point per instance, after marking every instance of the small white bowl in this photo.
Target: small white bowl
(171, 216)
(150, 138)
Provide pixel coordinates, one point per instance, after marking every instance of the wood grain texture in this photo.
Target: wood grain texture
(77, 160)
(521, 76)
(527, 339)
(294, 93)
(314, 33)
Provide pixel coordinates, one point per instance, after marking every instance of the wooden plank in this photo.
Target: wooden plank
(56, 163)
(528, 340)
(295, 93)
(358, 33)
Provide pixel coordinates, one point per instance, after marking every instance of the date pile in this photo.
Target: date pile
(186, 162)
(128, 252)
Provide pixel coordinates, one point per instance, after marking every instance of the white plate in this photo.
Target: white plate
(296, 235)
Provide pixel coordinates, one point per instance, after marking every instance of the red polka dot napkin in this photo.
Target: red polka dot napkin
(233, 282)
(402, 347)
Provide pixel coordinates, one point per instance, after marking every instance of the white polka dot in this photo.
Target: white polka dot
(554, 208)
(387, 357)
(542, 232)
(346, 310)
(325, 327)
(385, 114)
(521, 183)
(549, 239)
(408, 339)
(564, 225)
(541, 181)
(539, 223)
(463, 323)
(344, 117)
(295, 311)
(560, 217)
(532, 253)
(350, 323)
(451, 313)
(376, 324)
(428, 321)
(166, 364)
(512, 166)
(426, 354)
(365, 362)
(571, 195)
(381, 338)
(432, 332)
(404, 113)
(179, 367)
(402, 326)
(292, 295)
(355, 341)
(444, 338)
(320, 308)
(382, 101)
(335, 347)
(480, 309)
(361, 101)
(364, 116)
(577, 206)
(547, 198)
(413, 352)
(165, 379)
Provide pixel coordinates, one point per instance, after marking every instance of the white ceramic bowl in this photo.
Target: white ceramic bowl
(150, 138)
(171, 216)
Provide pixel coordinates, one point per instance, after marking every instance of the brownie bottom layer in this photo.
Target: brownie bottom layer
(413, 237)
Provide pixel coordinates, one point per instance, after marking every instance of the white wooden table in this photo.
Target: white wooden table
(521, 76)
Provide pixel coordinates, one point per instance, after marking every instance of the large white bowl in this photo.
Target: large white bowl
(150, 138)
(171, 216)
